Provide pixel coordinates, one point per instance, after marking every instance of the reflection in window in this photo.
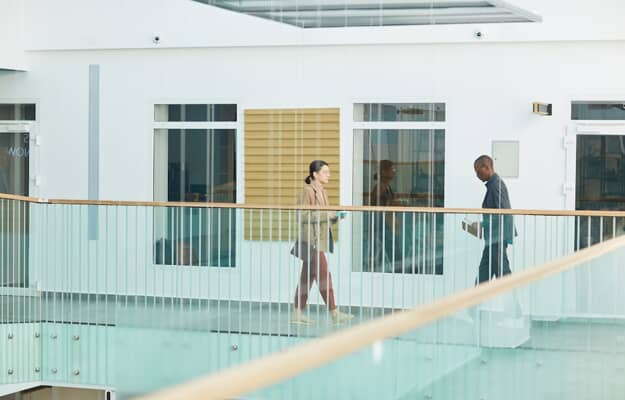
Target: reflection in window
(17, 112)
(14, 215)
(400, 168)
(600, 185)
(598, 110)
(422, 112)
(14, 152)
(195, 165)
(195, 112)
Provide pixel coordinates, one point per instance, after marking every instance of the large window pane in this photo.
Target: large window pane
(422, 112)
(14, 216)
(14, 152)
(600, 185)
(400, 168)
(195, 165)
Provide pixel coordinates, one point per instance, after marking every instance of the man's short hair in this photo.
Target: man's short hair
(483, 159)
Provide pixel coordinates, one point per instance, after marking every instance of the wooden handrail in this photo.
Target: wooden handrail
(27, 199)
(426, 210)
(266, 371)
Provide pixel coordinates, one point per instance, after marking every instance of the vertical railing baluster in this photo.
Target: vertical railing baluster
(366, 218)
(601, 229)
(327, 277)
(382, 267)
(14, 277)
(230, 266)
(434, 253)
(269, 267)
(218, 212)
(250, 271)
(589, 231)
(292, 271)
(616, 281)
(403, 263)
(424, 262)
(279, 260)
(258, 268)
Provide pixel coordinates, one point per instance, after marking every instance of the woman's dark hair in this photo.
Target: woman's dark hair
(314, 166)
(383, 166)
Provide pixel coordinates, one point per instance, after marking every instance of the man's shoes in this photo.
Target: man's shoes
(300, 318)
(340, 317)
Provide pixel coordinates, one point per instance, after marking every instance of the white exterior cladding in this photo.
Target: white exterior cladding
(12, 55)
(488, 86)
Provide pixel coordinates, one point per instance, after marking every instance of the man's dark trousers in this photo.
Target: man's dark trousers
(494, 262)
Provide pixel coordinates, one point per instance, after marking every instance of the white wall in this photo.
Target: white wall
(12, 35)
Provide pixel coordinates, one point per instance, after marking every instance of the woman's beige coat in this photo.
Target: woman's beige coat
(314, 226)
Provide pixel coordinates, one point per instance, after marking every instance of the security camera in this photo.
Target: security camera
(156, 39)
(478, 34)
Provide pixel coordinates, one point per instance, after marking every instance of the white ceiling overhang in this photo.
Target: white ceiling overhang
(352, 13)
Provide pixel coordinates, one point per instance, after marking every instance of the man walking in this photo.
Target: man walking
(498, 230)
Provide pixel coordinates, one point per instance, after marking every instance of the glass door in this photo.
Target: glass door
(600, 185)
(14, 152)
(14, 179)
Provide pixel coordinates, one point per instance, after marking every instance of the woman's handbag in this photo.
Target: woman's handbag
(302, 250)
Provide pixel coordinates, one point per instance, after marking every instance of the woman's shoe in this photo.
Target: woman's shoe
(299, 317)
(340, 317)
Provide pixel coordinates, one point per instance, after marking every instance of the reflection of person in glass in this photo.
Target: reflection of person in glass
(382, 193)
(385, 249)
(314, 239)
(498, 230)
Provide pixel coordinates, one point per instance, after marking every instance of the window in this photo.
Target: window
(399, 112)
(600, 172)
(195, 112)
(195, 165)
(17, 112)
(600, 185)
(395, 168)
(14, 152)
(598, 110)
(14, 216)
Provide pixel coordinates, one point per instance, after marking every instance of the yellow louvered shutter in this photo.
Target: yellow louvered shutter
(279, 146)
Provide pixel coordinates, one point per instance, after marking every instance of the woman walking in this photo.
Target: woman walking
(315, 239)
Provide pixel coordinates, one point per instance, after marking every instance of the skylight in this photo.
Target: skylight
(352, 13)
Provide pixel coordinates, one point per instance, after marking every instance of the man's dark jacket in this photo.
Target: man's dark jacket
(497, 228)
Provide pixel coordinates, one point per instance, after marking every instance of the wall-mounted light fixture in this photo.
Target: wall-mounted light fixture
(541, 108)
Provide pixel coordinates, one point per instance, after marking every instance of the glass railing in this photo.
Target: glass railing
(20, 305)
(476, 344)
(139, 296)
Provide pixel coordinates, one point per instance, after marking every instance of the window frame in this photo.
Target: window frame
(357, 178)
(235, 126)
(575, 129)
(21, 121)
